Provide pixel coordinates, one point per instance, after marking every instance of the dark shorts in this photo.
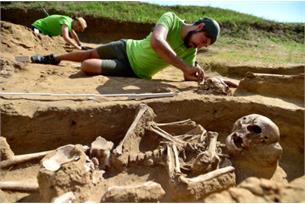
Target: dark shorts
(114, 59)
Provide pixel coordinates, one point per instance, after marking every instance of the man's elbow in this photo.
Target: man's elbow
(66, 38)
(155, 43)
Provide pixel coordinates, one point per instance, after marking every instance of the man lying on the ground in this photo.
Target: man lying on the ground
(55, 25)
(172, 42)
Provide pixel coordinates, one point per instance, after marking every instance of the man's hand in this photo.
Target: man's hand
(193, 74)
(65, 34)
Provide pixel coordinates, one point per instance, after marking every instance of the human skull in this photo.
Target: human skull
(254, 132)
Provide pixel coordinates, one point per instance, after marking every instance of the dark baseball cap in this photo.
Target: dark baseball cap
(211, 27)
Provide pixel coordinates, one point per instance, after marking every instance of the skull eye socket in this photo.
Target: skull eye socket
(254, 128)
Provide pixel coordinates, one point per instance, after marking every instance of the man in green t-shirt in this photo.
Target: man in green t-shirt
(55, 25)
(171, 42)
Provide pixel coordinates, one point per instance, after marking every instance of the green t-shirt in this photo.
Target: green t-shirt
(145, 62)
(51, 25)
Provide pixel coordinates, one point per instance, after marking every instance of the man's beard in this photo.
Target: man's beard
(187, 38)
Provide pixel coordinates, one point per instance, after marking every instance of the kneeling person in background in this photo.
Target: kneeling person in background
(55, 25)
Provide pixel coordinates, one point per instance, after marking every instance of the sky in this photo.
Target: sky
(280, 11)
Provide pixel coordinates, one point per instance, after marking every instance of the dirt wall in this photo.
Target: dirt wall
(288, 87)
(75, 124)
(241, 71)
(99, 30)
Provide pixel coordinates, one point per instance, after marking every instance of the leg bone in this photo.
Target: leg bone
(17, 159)
(205, 161)
(119, 149)
(19, 185)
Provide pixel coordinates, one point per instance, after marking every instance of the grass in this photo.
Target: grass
(135, 11)
(245, 39)
(260, 52)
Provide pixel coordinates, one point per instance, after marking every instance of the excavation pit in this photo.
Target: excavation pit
(47, 126)
(41, 123)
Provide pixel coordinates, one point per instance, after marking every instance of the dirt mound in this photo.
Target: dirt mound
(34, 123)
(262, 191)
(289, 87)
(20, 40)
(241, 71)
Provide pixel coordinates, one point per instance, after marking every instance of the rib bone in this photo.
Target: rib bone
(182, 122)
(165, 135)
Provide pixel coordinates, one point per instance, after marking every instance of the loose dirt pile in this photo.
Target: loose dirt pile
(146, 169)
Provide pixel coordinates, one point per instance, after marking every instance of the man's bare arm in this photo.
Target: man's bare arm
(164, 50)
(75, 37)
(65, 34)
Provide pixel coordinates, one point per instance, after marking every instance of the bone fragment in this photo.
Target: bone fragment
(62, 155)
(64, 198)
(19, 185)
(162, 134)
(18, 159)
(5, 150)
(132, 158)
(140, 156)
(77, 176)
(119, 149)
(182, 122)
(100, 148)
(199, 187)
(170, 162)
(165, 135)
(208, 176)
(156, 153)
(176, 156)
(100, 144)
(213, 145)
(205, 161)
(148, 154)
